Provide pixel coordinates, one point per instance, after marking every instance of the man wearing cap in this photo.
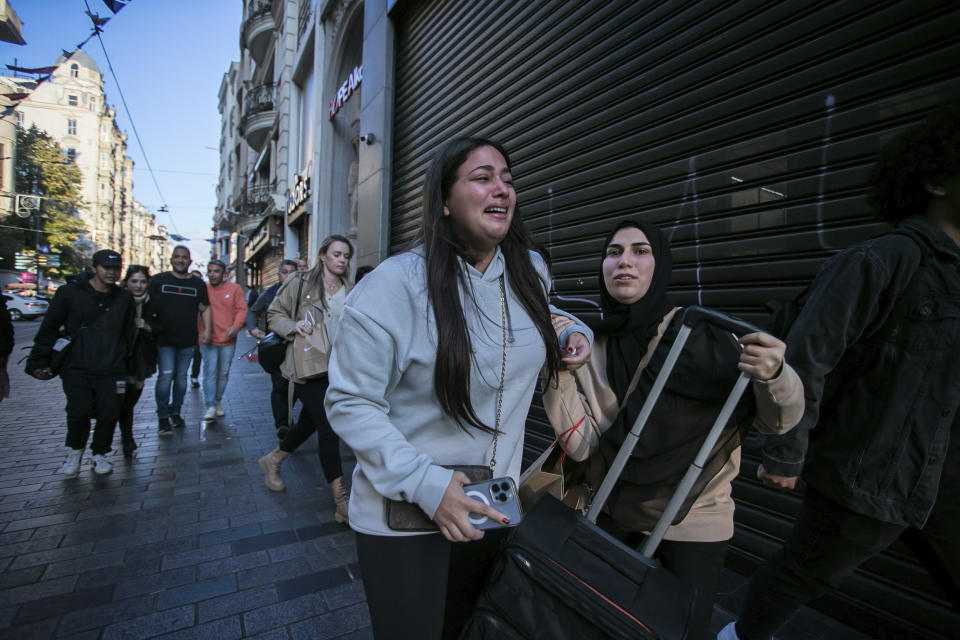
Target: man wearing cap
(179, 298)
(92, 321)
(228, 312)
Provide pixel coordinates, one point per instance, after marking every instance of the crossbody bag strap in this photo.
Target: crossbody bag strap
(290, 383)
(651, 347)
(296, 308)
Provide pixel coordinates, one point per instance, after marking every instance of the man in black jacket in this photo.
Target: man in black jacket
(278, 384)
(97, 318)
(876, 344)
(6, 347)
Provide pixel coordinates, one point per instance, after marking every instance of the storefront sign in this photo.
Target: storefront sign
(259, 238)
(346, 90)
(298, 194)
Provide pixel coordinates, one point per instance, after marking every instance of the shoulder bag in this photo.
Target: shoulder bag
(271, 348)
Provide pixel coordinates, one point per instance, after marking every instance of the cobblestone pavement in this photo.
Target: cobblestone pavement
(183, 541)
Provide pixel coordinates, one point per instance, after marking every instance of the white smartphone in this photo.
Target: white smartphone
(499, 493)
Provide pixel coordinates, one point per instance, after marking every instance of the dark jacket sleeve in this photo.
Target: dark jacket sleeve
(6, 329)
(129, 330)
(151, 310)
(853, 294)
(49, 330)
(6, 332)
(258, 307)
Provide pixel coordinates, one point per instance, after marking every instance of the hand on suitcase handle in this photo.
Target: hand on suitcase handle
(762, 355)
(453, 514)
(694, 315)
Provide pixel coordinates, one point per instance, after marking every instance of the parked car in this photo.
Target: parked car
(22, 307)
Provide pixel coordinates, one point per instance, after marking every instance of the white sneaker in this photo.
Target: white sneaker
(210, 413)
(71, 466)
(220, 411)
(101, 466)
(729, 632)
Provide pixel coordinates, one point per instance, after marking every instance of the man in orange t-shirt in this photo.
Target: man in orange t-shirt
(228, 313)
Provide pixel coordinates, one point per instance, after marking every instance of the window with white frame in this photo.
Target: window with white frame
(72, 100)
(71, 127)
(74, 70)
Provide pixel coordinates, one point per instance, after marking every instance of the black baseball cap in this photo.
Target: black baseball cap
(107, 258)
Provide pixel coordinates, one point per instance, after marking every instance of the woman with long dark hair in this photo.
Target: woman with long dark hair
(435, 363)
(306, 311)
(593, 409)
(143, 360)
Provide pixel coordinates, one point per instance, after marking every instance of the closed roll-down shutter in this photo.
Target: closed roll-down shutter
(745, 130)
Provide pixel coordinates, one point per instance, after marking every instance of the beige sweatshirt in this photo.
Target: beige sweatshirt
(585, 394)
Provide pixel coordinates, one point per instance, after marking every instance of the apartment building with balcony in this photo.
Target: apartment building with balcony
(72, 108)
(289, 164)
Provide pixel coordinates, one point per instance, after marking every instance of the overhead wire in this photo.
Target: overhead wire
(165, 207)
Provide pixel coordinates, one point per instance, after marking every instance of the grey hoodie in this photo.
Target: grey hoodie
(381, 398)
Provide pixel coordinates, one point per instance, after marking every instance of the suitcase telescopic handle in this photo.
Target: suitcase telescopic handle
(691, 317)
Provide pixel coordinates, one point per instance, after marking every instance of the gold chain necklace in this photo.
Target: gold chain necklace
(332, 287)
(503, 375)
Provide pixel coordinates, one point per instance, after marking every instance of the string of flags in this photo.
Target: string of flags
(44, 73)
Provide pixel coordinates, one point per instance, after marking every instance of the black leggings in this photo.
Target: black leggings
(314, 418)
(197, 361)
(423, 586)
(126, 411)
(278, 399)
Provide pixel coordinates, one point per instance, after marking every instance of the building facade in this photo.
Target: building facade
(295, 141)
(745, 130)
(71, 107)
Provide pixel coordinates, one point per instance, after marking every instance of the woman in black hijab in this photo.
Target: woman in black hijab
(593, 408)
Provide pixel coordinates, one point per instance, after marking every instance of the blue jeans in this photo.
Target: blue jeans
(172, 365)
(216, 370)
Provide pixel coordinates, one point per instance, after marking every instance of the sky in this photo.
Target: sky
(169, 57)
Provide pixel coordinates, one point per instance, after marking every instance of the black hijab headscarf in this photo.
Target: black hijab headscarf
(692, 397)
(630, 327)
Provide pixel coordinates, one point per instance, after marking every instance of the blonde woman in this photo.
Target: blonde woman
(306, 312)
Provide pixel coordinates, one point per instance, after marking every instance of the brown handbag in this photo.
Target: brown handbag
(407, 516)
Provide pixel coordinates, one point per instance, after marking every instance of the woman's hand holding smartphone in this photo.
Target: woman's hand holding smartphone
(500, 493)
(456, 509)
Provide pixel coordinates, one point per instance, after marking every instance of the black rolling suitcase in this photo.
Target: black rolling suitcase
(562, 577)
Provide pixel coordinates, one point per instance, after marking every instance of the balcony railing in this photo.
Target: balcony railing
(258, 100)
(255, 199)
(256, 28)
(258, 8)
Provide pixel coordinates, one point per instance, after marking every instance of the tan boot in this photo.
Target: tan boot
(341, 500)
(270, 465)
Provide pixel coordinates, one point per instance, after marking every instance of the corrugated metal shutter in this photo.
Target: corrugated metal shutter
(746, 130)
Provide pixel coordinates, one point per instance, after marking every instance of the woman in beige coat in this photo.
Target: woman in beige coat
(305, 312)
(594, 407)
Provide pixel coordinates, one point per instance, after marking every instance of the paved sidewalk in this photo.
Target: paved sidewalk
(184, 541)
